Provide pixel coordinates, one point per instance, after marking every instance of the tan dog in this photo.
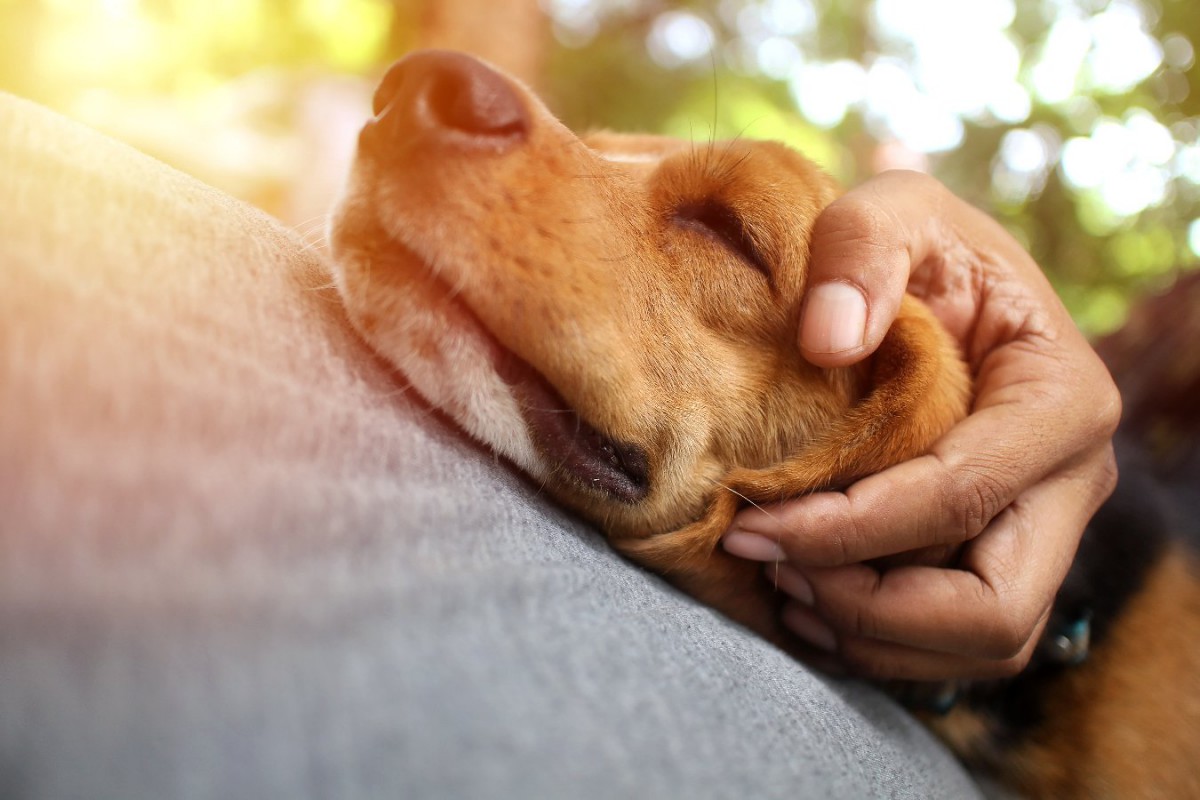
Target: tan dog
(617, 315)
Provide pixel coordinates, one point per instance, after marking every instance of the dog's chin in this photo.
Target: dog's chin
(436, 340)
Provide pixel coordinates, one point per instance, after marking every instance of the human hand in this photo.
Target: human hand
(1014, 483)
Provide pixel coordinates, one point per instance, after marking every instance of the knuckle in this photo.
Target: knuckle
(1096, 475)
(1109, 416)
(854, 620)
(853, 536)
(974, 496)
(1014, 666)
(1090, 394)
(1008, 637)
(1109, 474)
(863, 623)
(997, 610)
(869, 215)
(855, 219)
(1009, 646)
(1061, 396)
(842, 531)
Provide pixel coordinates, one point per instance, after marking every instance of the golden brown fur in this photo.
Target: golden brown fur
(584, 259)
(617, 315)
(1124, 724)
(1127, 723)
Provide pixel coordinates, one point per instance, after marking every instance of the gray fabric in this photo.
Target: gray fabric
(237, 560)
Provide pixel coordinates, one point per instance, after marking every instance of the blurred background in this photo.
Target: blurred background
(1074, 122)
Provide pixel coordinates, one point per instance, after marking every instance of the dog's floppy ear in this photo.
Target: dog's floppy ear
(919, 388)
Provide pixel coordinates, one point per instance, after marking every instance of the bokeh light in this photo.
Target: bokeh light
(1074, 121)
(678, 38)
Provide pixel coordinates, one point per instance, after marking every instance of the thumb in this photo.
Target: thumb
(863, 248)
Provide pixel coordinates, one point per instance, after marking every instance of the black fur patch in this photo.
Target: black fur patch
(1121, 545)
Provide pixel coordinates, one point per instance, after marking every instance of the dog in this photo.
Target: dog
(1108, 706)
(616, 315)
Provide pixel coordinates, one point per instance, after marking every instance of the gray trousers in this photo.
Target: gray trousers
(239, 560)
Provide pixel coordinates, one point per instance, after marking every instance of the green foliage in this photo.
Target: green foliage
(1108, 224)
(1074, 122)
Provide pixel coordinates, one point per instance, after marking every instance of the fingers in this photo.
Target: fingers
(879, 660)
(858, 271)
(981, 619)
(904, 230)
(833, 329)
(1012, 486)
(923, 623)
(864, 246)
(1026, 427)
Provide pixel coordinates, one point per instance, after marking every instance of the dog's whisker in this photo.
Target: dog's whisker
(313, 236)
(778, 538)
(760, 507)
(403, 391)
(530, 407)
(323, 287)
(312, 241)
(316, 218)
(716, 114)
(315, 247)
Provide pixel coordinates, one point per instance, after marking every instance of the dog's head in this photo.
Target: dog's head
(615, 314)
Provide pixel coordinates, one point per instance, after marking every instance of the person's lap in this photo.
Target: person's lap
(237, 560)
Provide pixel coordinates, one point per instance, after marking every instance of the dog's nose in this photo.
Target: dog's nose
(452, 97)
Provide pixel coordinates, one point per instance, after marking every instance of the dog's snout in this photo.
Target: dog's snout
(452, 98)
(469, 97)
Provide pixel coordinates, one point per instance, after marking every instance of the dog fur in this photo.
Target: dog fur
(583, 277)
(1125, 722)
(617, 316)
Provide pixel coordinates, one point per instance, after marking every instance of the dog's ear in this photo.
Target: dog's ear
(919, 387)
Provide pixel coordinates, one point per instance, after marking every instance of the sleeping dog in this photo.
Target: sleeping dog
(616, 316)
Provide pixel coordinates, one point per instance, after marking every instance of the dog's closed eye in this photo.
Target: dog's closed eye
(719, 222)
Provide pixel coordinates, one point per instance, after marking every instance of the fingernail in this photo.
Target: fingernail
(835, 319)
(792, 582)
(805, 624)
(751, 546)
